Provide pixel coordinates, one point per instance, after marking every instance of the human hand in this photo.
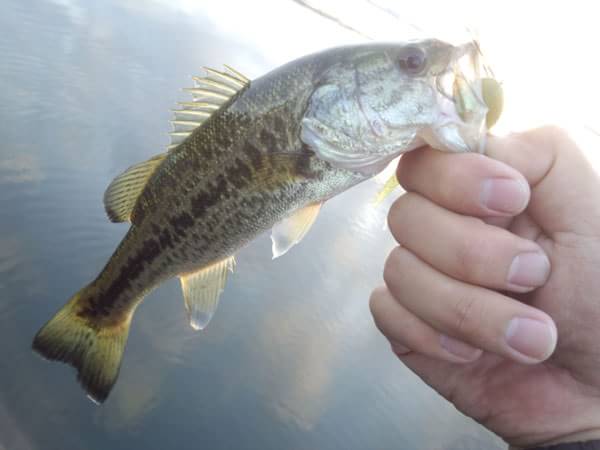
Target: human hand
(500, 255)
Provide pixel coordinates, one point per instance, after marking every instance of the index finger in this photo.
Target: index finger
(466, 183)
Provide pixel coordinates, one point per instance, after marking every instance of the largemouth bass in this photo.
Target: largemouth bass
(250, 156)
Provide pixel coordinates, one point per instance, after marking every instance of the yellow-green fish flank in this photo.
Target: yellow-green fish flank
(248, 157)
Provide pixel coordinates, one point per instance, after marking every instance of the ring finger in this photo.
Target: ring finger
(406, 332)
(480, 317)
(467, 248)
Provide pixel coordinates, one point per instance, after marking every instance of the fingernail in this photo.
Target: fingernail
(504, 195)
(528, 270)
(533, 339)
(459, 349)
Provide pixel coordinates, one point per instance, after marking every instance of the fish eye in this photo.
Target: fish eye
(413, 60)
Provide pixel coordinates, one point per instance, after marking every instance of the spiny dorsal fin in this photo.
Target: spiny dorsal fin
(292, 229)
(201, 291)
(209, 94)
(122, 193)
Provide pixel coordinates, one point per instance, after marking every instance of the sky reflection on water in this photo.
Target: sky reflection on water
(291, 359)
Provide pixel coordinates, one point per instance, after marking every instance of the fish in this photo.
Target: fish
(248, 156)
(492, 95)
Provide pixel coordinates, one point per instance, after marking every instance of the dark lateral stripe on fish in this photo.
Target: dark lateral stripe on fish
(253, 154)
(279, 126)
(205, 199)
(101, 306)
(164, 236)
(240, 174)
(181, 222)
(268, 140)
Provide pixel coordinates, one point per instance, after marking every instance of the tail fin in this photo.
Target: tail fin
(95, 350)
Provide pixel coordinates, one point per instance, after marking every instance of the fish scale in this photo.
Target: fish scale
(247, 157)
(231, 161)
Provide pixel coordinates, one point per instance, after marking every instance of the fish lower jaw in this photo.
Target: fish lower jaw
(451, 138)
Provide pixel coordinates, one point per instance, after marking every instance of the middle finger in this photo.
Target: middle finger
(466, 248)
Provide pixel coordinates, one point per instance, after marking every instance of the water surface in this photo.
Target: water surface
(291, 359)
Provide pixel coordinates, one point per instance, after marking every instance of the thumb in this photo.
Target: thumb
(564, 185)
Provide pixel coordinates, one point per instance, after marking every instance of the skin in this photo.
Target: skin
(450, 285)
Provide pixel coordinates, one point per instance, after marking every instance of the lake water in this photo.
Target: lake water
(292, 358)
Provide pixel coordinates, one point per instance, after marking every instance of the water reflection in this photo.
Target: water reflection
(291, 360)
(20, 168)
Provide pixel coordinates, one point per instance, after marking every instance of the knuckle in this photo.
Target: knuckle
(408, 167)
(380, 317)
(466, 318)
(379, 324)
(402, 202)
(391, 269)
(409, 331)
(451, 172)
(375, 300)
(471, 255)
(400, 210)
(402, 173)
(393, 218)
(454, 173)
(402, 328)
(553, 132)
(553, 137)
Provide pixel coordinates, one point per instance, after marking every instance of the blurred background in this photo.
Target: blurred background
(292, 358)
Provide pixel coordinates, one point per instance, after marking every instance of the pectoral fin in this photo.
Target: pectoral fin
(387, 189)
(201, 291)
(291, 230)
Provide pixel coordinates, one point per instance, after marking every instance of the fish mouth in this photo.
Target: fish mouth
(475, 87)
(463, 94)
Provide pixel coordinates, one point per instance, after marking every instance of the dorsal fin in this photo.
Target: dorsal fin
(208, 95)
(122, 193)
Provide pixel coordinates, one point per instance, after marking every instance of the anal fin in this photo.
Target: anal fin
(292, 229)
(201, 291)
